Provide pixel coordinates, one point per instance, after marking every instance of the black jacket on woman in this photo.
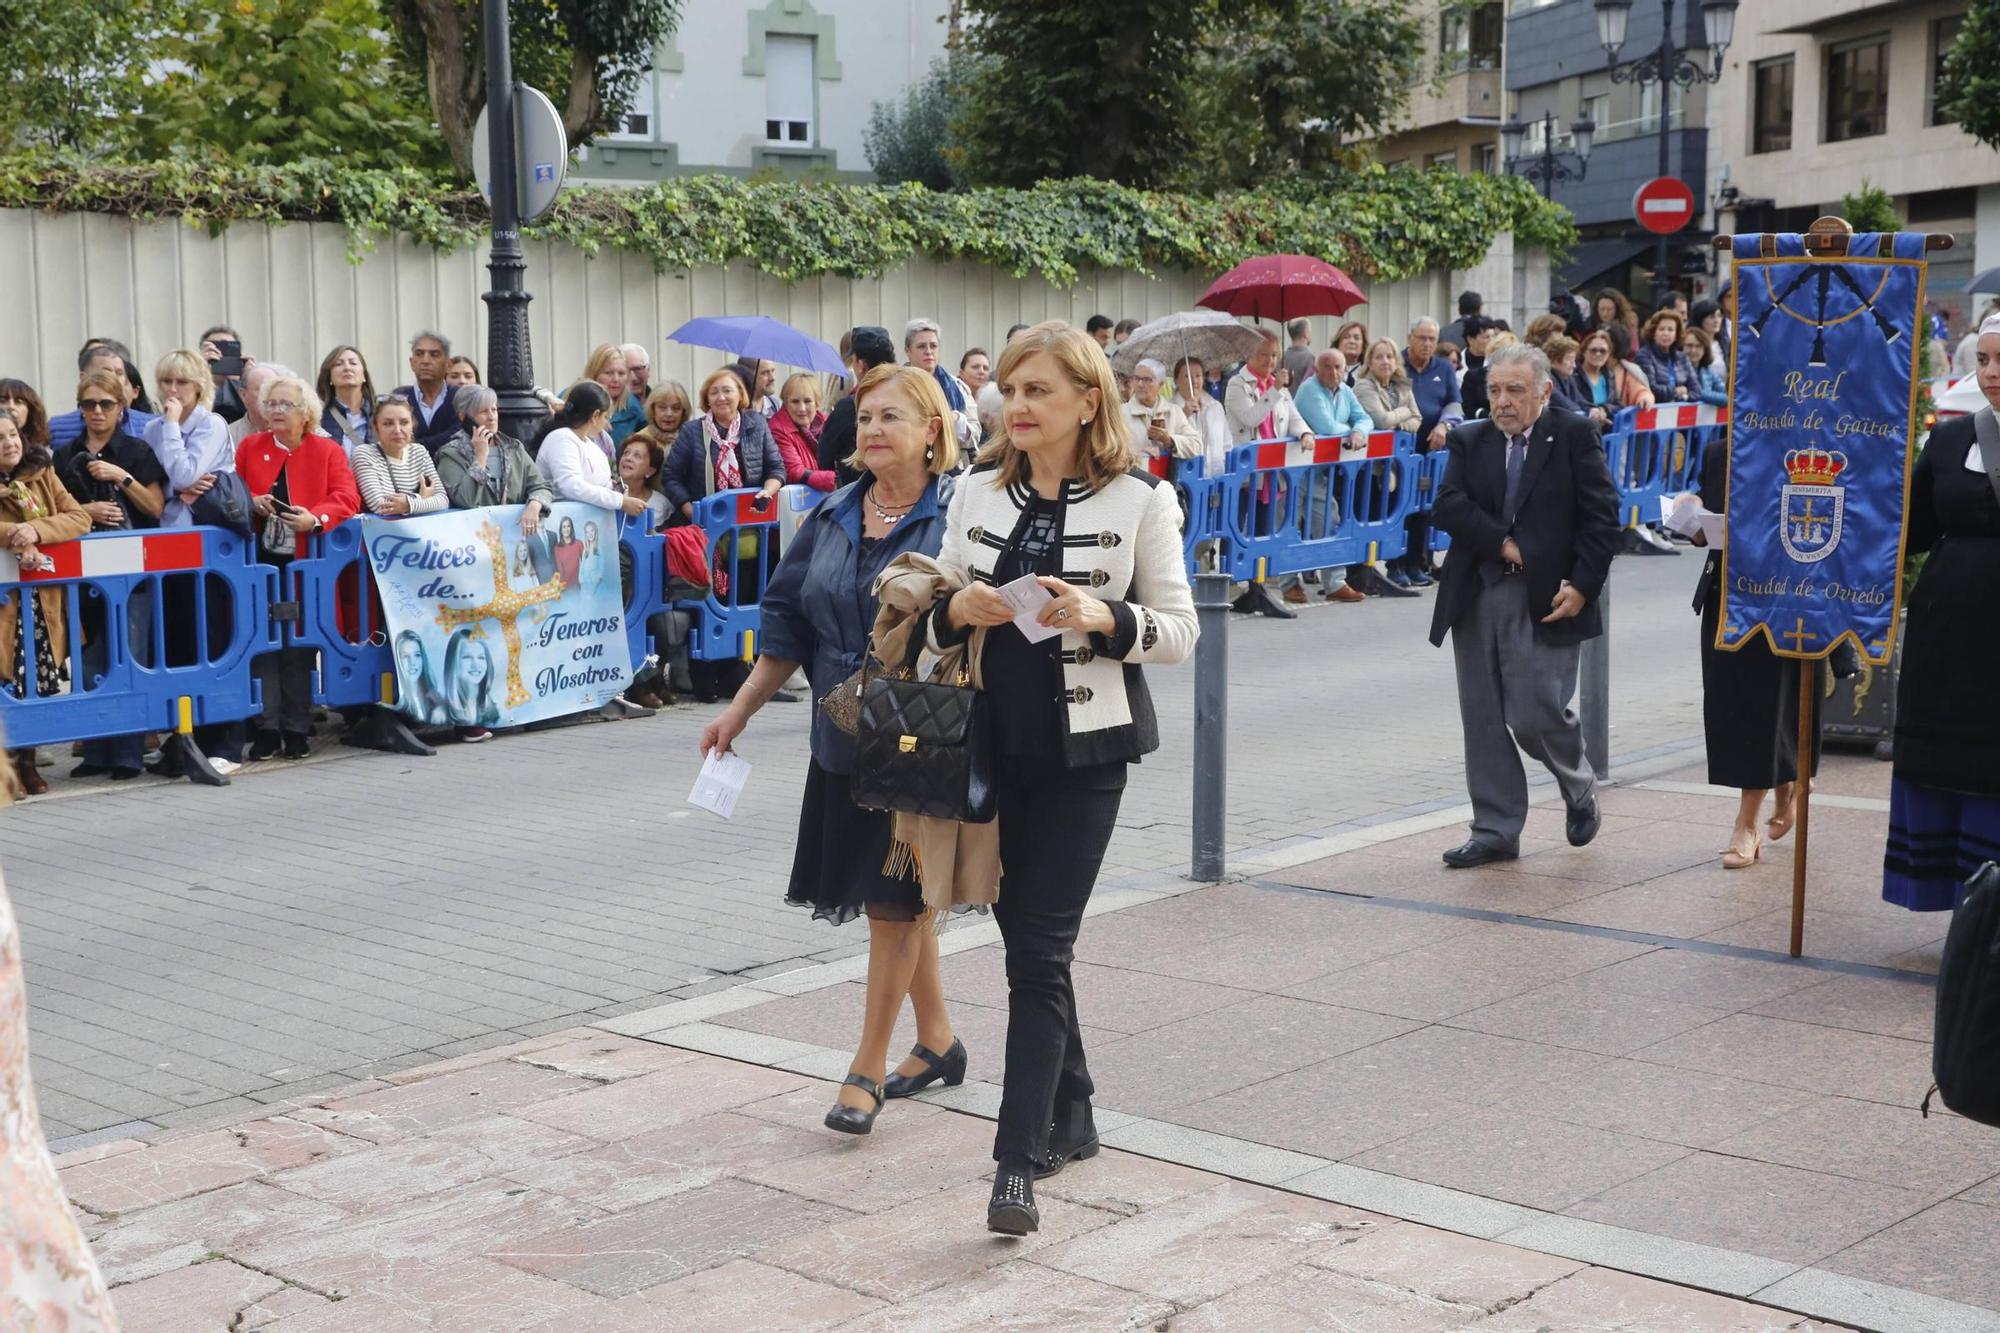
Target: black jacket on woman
(1947, 711)
(690, 462)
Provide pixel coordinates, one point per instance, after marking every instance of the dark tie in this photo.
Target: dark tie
(1517, 452)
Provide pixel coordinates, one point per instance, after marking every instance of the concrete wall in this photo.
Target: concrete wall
(292, 293)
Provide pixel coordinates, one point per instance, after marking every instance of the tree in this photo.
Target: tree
(1969, 89)
(1284, 83)
(1870, 208)
(269, 81)
(912, 140)
(1081, 88)
(587, 55)
(75, 71)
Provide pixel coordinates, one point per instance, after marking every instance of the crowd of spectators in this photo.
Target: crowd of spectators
(310, 452)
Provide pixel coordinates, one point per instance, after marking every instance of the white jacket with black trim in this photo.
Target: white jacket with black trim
(1123, 545)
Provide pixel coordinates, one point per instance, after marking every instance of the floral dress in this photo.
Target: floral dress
(51, 669)
(48, 1280)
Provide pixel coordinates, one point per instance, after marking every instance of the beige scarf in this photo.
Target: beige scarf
(958, 865)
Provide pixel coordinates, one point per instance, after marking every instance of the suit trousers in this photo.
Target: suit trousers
(1055, 823)
(1514, 689)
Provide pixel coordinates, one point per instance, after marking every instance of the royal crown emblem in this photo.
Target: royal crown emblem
(1809, 520)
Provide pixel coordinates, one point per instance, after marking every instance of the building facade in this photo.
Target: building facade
(1555, 64)
(1823, 94)
(755, 85)
(1453, 116)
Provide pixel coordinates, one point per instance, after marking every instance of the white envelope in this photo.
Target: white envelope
(1028, 597)
(720, 782)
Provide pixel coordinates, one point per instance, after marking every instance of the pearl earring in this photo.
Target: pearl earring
(930, 455)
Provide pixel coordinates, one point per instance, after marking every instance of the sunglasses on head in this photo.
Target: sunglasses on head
(96, 404)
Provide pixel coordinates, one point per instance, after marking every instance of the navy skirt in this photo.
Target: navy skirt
(1937, 839)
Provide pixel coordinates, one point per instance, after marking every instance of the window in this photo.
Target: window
(789, 90)
(1943, 33)
(1771, 105)
(1489, 159)
(1857, 89)
(1448, 160)
(1649, 108)
(1472, 40)
(637, 123)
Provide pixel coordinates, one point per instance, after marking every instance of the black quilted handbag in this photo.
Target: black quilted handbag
(926, 746)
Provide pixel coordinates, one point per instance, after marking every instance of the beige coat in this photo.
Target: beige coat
(55, 516)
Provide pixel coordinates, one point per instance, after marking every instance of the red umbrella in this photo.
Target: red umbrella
(1283, 287)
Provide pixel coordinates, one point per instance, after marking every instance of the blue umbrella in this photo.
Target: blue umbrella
(761, 337)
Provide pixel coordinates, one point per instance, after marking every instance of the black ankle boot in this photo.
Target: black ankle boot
(1012, 1211)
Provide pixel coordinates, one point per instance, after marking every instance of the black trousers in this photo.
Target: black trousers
(1055, 823)
(286, 676)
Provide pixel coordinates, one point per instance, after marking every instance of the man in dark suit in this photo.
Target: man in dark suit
(429, 396)
(1533, 517)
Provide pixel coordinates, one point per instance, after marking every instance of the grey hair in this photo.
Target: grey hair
(626, 349)
(1520, 354)
(1991, 324)
(308, 399)
(274, 370)
(1423, 320)
(428, 335)
(920, 325)
(1149, 363)
(474, 398)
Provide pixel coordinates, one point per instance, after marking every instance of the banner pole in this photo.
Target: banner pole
(1802, 802)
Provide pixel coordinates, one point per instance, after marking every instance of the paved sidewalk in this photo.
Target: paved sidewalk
(585, 1182)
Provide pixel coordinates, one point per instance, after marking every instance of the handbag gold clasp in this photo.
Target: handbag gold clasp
(907, 744)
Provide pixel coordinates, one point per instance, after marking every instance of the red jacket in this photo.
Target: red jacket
(800, 450)
(317, 476)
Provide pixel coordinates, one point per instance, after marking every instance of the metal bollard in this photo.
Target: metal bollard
(1211, 725)
(1594, 692)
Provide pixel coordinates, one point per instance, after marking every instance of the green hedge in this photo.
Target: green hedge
(1373, 223)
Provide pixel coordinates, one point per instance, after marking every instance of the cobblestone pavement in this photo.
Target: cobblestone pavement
(192, 952)
(589, 1183)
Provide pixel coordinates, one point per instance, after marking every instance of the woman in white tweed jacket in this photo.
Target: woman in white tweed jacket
(1058, 497)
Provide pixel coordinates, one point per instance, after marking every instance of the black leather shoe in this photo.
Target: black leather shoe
(1059, 1159)
(1012, 1211)
(845, 1119)
(1476, 853)
(1581, 823)
(264, 746)
(950, 1067)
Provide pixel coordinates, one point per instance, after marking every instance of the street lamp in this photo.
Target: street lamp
(1548, 167)
(510, 362)
(1667, 66)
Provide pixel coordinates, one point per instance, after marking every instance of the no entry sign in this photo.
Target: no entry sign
(1663, 204)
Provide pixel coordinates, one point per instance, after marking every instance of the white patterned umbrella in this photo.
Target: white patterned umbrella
(1215, 339)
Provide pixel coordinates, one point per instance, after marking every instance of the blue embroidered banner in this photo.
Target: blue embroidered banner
(494, 628)
(1823, 381)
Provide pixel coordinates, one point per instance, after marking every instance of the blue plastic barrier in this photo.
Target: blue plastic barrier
(340, 616)
(649, 588)
(1267, 512)
(1655, 452)
(122, 586)
(1201, 502)
(726, 623)
(1430, 480)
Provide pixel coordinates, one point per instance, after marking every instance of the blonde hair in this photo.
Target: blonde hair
(809, 381)
(921, 388)
(726, 373)
(310, 405)
(600, 357)
(1395, 354)
(1501, 341)
(105, 381)
(1107, 444)
(181, 364)
(669, 389)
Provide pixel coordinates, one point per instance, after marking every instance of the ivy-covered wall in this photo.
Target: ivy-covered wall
(1374, 223)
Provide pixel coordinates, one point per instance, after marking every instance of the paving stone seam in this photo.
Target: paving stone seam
(1801, 1289)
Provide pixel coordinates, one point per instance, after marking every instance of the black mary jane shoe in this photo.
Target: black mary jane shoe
(950, 1067)
(845, 1119)
(1012, 1211)
(1060, 1159)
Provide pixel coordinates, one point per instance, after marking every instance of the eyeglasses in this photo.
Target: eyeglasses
(281, 406)
(96, 404)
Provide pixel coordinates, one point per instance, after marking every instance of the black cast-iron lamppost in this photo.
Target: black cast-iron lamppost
(1667, 66)
(1548, 167)
(510, 362)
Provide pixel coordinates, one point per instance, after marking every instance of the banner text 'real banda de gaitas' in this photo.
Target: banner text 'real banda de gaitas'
(1823, 379)
(493, 627)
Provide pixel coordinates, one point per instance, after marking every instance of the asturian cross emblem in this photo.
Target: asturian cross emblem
(506, 606)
